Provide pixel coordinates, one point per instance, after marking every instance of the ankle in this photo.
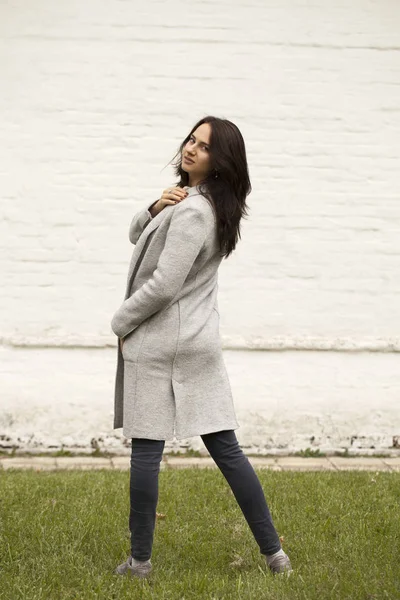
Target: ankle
(135, 561)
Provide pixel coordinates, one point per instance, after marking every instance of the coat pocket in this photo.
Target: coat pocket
(133, 342)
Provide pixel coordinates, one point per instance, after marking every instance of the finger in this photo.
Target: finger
(175, 196)
(179, 190)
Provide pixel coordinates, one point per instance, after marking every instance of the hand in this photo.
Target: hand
(171, 195)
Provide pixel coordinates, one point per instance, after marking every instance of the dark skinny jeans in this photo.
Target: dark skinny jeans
(234, 465)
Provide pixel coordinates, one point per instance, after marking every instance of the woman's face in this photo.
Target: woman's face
(197, 149)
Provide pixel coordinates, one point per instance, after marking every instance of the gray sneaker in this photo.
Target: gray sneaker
(280, 564)
(140, 569)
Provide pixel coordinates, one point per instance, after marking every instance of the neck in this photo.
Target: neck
(194, 181)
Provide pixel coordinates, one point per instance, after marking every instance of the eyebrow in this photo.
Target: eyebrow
(200, 140)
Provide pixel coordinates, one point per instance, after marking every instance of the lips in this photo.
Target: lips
(189, 159)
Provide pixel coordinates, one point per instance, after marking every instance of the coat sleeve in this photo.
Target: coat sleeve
(139, 222)
(185, 238)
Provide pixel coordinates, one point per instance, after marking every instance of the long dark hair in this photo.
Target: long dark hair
(228, 183)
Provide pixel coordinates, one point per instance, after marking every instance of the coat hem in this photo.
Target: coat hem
(182, 436)
(212, 430)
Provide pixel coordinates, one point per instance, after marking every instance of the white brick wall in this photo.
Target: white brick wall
(95, 100)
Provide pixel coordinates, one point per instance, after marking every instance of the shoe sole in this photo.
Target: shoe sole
(126, 570)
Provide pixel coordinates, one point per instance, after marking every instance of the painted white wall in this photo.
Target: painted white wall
(96, 98)
(285, 401)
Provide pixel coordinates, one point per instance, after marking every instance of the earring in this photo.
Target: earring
(216, 175)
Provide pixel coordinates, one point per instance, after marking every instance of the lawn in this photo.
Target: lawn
(62, 534)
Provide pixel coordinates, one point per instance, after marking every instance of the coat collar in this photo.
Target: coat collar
(192, 190)
(142, 242)
(156, 221)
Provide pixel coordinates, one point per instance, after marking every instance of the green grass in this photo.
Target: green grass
(310, 453)
(62, 534)
(189, 452)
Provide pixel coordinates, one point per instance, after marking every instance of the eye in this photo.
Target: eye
(204, 146)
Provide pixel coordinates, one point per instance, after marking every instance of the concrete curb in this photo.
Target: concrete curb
(283, 463)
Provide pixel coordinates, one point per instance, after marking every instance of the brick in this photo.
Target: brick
(38, 463)
(184, 463)
(121, 462)
(359, 463)
(259, 462)
(83, 462)
(392, 463)
(304, 464)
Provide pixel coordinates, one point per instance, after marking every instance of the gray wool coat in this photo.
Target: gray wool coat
(171, 379)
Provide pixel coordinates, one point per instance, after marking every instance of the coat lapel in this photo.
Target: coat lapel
(141, 247)
(144, 239)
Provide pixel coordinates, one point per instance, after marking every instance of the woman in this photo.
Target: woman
(171, 379)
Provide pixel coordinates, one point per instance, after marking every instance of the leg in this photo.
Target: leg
(145, 466)
(246, 487)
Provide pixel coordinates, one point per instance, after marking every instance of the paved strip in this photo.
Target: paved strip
(281, 463)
